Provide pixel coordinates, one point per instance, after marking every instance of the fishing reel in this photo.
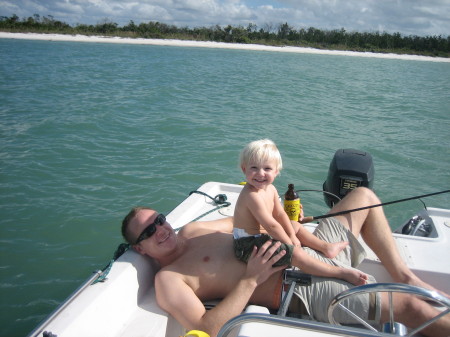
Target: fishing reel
(417, 226)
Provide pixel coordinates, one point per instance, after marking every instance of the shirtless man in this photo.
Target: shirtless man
(198, 264)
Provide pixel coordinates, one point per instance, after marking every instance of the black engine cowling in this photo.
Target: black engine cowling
(349, 169)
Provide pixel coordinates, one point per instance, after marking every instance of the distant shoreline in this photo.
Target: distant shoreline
(207, 44)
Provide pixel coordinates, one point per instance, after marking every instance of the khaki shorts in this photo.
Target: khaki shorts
(317, 296)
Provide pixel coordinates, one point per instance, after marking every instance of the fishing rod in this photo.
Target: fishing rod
(312, 218)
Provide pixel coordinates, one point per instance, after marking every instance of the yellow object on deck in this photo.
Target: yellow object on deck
(196, 333)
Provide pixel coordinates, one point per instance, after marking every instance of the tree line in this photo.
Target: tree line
(276, 35)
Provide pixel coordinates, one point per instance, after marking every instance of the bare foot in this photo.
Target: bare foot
(333, 249)
(354, 276)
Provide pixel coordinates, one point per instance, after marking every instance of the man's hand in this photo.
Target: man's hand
(260, 264)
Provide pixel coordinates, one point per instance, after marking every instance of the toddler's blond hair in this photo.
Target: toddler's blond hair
(259, 151)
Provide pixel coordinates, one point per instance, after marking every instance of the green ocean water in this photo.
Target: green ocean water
(89, 130)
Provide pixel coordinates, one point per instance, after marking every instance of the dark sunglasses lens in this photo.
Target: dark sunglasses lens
(151, 229)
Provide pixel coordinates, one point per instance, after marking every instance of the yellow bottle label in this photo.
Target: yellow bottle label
(292, 209)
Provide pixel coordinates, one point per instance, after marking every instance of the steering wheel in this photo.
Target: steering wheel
(389, 288)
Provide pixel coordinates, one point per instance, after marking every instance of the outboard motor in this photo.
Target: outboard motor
(349, 169)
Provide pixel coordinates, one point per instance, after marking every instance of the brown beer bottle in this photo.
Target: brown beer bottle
(292, 203)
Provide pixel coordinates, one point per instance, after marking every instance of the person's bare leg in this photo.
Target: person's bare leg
(374, 228)
(308, 239)
(313, 266)
(413, 312)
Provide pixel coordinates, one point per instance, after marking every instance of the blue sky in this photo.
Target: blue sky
(409, 17)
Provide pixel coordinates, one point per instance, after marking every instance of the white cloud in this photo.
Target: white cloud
(406, 16)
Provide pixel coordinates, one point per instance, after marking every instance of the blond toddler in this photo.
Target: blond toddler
(259, 217)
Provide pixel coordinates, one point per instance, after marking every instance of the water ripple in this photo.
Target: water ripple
(89, 130)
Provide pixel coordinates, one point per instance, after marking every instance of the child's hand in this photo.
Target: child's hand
(301, 215)
(296, 241)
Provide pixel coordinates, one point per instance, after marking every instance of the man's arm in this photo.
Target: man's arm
(176, 297)
(197, 228)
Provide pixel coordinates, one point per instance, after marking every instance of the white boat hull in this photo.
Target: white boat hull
(125, 304)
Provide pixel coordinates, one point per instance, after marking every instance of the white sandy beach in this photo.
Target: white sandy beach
(201, 44)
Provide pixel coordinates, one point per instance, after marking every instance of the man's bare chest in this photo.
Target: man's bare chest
(211, 271)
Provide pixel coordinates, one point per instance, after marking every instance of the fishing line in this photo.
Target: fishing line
(321, 191)
(312, 218)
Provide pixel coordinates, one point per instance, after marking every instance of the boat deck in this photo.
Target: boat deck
(125, 305)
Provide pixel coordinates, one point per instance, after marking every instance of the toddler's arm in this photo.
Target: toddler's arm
(260, 212)
(282, 218)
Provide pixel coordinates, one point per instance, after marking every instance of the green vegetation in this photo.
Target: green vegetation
(283, 35)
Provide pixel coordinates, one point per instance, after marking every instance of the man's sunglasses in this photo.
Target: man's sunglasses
(151, 229)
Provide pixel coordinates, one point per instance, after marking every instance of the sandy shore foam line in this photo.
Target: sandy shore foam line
(204, 44)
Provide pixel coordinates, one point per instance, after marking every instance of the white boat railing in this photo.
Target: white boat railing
(390, 288)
